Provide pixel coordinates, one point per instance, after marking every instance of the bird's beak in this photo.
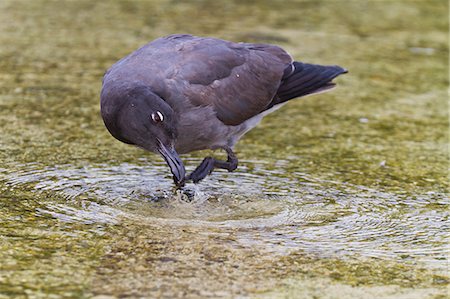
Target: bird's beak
(173, 160)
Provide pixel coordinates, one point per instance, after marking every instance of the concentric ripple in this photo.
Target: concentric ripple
(267, 208)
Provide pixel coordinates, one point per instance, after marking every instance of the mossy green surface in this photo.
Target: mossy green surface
(347, 190)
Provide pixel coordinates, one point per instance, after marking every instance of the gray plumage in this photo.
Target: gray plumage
(209, 92)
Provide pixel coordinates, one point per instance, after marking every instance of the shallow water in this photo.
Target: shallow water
(340, 195)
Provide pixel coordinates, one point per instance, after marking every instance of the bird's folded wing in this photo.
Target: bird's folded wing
(237, 80)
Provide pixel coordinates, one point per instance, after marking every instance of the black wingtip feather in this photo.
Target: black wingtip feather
(307, 79)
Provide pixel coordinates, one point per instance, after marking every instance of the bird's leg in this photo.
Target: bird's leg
(232, 162)
(205, 168)
(209, 163)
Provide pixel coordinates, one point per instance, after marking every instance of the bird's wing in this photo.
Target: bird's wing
(238, 80)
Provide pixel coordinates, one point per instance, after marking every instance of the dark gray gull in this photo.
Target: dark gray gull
(183, 93)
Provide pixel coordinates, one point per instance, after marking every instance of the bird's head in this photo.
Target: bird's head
(142, 118)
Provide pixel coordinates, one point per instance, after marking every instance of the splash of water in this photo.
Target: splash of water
(266, 207)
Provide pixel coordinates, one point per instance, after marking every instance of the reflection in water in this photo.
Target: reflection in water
(266, 208)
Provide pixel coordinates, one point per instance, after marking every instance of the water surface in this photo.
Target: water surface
(343, 194)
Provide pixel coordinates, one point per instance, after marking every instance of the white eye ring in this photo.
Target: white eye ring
(157, 117)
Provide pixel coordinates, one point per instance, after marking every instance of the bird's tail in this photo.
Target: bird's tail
(302, 79)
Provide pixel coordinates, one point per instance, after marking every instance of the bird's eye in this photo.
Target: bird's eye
(157, 117)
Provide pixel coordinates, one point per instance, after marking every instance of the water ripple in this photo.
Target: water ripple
(267, 208)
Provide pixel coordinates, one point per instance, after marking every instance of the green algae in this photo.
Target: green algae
(385, 128)
(41, 255)
(213, 262)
